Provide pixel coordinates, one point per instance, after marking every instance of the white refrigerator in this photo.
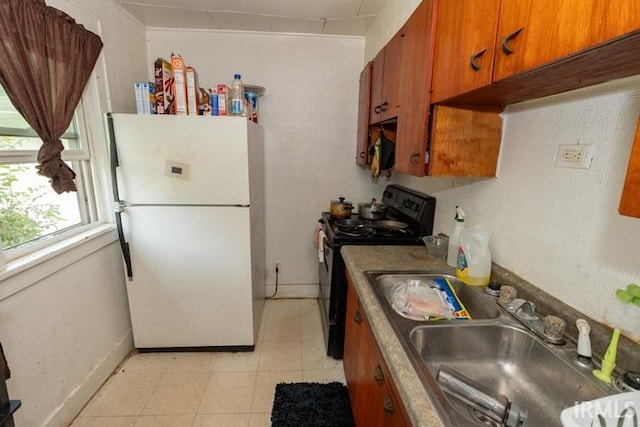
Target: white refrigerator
(190, 206)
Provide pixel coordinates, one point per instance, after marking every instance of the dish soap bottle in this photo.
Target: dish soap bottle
(454, 240)
(474, 257)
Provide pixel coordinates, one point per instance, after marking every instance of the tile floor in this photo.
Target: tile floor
(217, 389)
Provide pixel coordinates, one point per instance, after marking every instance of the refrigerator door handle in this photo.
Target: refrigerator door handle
(124, 245)
(120, 205)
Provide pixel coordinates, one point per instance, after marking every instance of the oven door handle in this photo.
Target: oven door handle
(328, 248)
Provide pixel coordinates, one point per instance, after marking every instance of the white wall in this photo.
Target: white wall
(309, 118)
(391, 17)
(65, 323)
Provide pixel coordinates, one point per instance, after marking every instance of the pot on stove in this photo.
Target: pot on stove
(340, 208)
(372, 211)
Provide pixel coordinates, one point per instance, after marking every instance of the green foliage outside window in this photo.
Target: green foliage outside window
(23, 215)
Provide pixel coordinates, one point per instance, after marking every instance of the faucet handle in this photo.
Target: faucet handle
(554, 326)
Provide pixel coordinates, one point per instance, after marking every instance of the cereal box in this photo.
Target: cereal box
(164, 87)
(193, 91)
(179, 84)
(223, 100)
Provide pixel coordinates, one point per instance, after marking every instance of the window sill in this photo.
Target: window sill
(25, 271)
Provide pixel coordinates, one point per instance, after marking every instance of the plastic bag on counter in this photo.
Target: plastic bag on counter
(431, 299)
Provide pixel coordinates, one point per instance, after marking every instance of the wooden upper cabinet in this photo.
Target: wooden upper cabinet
(630, 202)
(415, 90)
(385, 80)
(464, 142)
(464, 46)
(541, 31)
(364, 103)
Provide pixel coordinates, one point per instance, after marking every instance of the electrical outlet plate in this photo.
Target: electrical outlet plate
(575, 156)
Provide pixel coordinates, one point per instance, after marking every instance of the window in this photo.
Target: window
(31, 213)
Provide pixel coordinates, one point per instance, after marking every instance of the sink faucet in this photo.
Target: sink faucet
(523, 309)
(549, 329)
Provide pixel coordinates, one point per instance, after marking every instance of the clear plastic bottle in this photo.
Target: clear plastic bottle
(237, 96)
(454, 239)
(474, 256)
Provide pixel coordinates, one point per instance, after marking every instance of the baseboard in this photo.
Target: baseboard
(64, 414)
(294, 290)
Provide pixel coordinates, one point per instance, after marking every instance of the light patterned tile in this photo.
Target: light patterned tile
(165, 421)
(177, 394)
(260, 419)
(280, 356)
(228, 392)
(240, 361)
(324, 376)
(309, 307)
(222, 420)
(282, 308)
(312, 328)
(104, 422)
(282, 329)
(314, 357)
(266, 387)
(125, 393)
(182, 362)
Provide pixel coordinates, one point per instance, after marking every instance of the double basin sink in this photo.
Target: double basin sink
(488, 370)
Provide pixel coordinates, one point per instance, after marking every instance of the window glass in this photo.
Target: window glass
(30, 211)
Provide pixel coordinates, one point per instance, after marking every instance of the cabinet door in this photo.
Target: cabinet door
(630, 202)
(551, 29)
(377, 72)
(464, 142)
(415, 86)
(364, 104)
(369, 407)
(391, 77)
(353, 325)
(464, 46)
(385, 80)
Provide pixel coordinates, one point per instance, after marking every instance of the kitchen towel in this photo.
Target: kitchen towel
(318, 239)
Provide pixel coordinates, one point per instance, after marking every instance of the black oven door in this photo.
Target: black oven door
(325, 272)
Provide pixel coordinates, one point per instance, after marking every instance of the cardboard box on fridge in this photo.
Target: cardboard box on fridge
(164, 87)
(145, 97)
(193, 91)
(179, 84)
(224, 93)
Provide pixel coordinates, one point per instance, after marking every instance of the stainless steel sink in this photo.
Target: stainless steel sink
(509, 361)
(493, 350)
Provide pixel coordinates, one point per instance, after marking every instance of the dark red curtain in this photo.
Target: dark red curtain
(46, 59)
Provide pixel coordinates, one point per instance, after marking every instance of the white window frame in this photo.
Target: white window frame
(82, 163)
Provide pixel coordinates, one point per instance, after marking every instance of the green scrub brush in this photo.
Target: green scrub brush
(609, 360)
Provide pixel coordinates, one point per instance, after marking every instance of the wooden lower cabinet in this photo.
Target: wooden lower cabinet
(374, 398)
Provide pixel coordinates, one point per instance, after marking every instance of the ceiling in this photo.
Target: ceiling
(336, 17)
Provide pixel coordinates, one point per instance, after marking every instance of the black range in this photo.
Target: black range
(409, 217)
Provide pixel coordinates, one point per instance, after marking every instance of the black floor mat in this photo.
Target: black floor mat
(311, 405)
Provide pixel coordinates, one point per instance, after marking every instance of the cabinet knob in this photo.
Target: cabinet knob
(383, 106)
(415, 158)
(362, 154)
(505, 41)
(357, 317)
(378, 376)
(473, 62)
(377, 109)
(388, 404)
